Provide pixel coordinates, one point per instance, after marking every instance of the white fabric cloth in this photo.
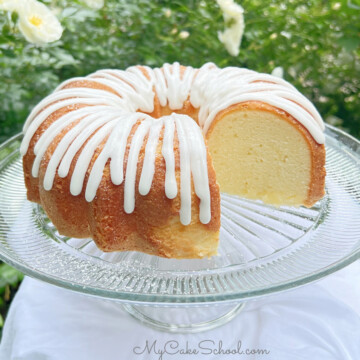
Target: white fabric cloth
(319, 321)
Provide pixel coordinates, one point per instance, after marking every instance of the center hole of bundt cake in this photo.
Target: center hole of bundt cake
(187, 109)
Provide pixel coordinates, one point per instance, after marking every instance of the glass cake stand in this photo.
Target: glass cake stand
(263, 249)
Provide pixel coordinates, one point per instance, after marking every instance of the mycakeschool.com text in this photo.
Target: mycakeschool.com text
(173, 348)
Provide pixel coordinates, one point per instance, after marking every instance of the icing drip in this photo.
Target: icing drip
(64, 144)
(135, 88)
(168, 154)
(121, 134)
(148, 169)
(83, 162)
(241, 85)
(192, 161)
(185, 177)
(171, 87)
(113, 149)
(198, 164)
(65, 99)
(136, 143)
(53, 130)
(108, 115)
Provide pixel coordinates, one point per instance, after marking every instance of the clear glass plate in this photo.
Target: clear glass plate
(263, 249)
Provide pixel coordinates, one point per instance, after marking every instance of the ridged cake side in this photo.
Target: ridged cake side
(121, 156)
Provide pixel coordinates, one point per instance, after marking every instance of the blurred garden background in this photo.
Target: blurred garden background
(313, 44)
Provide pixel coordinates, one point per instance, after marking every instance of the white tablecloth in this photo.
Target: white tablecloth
(319, 321)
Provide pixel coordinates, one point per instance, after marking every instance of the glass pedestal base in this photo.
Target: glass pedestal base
(184, 319)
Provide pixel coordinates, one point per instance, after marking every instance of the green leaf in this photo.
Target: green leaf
(349, 43)
(9, 275)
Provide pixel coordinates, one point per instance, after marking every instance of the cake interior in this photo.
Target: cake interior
(258, 154)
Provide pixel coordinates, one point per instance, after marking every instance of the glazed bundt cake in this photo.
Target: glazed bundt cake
(134, 158)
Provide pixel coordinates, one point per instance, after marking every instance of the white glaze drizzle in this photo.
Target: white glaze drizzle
(49, 135)
(109, 116)
(132, 162)
(63, 145)
(148, 169)
(121, 134)
(134, 87)
(171, 88)
(234, 87)
(114, 146)
(198, 165)
(185, 174)
(168, 154)
(94, 123)
(82, 164)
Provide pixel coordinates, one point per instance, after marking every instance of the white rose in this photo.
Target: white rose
(167, 13)
(37, 22)
(95, 4)
(8, 5)
(232, 35)
(278, 72)
(184, 35)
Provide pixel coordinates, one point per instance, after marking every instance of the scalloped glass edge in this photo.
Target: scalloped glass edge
(193, 300)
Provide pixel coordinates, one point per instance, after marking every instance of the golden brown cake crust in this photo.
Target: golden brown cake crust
(154, 227)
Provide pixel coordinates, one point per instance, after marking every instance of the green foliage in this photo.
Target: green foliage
(10, 279)
(316, 42)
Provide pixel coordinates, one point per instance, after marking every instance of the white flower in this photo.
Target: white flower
(37, 22)
(184, 35)
(95, 4)
(167, 13)
(278, 72)
(234, 15)
(8, 5)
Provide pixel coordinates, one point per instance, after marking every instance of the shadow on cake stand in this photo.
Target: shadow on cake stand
(263, 249)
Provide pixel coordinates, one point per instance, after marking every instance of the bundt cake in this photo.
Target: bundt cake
(134, 158)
